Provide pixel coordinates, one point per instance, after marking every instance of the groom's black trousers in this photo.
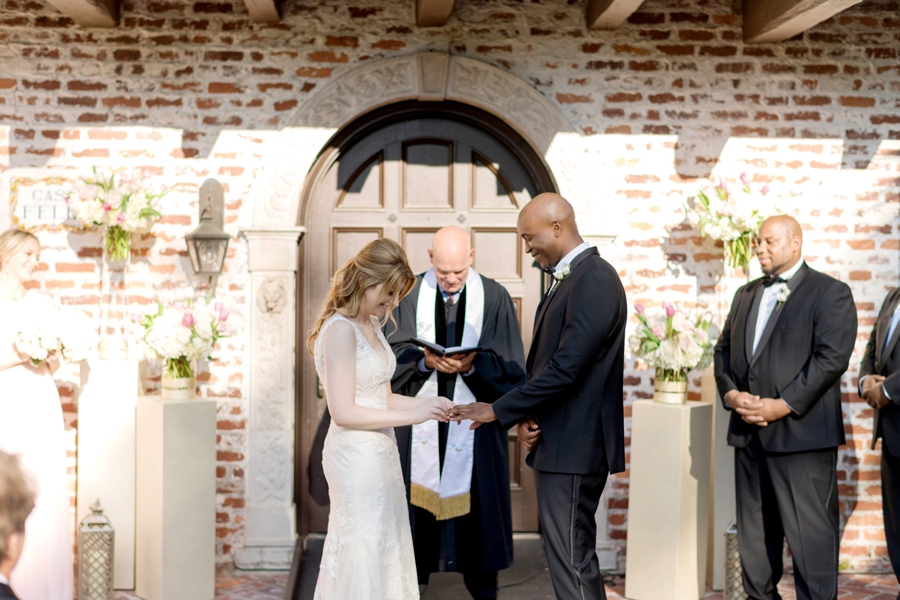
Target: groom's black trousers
(794, 496)
(567, 506)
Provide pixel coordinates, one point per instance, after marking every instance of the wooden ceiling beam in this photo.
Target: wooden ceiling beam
(262, 11)
(433, 13)
(779, 20)
(609, 14)
(89, 13)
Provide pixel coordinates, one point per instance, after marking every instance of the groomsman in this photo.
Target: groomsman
(570, 409)
(779, 361)
(458, 479)
(879, 386)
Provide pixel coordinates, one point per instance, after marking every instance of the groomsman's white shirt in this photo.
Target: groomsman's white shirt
(768, 302)
(3, 579)
(567, 259)
(767, 307)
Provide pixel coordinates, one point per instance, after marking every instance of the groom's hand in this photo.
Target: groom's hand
(477, 412)
(528, 432)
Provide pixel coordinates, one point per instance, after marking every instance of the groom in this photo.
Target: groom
(570, 408)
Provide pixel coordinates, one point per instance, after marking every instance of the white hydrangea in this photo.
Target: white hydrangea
(673, 340)
(67, 330)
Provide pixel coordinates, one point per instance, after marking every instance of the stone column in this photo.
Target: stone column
(271, 528)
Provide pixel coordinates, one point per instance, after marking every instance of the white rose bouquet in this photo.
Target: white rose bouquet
(674, 343)
(180, 332)
(732, 217)
(67, 330)
(123, 205)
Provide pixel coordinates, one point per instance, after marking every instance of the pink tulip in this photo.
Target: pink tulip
(219, 306)
(639, 308)
(764, 190)
(120, 218)
(659, 331)
(188, 320)
(670, 311)
(223, 315)
(107, 206)
(723, 185)
(744, 179)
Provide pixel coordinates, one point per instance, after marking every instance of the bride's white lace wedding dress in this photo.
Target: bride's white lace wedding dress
(368, 553)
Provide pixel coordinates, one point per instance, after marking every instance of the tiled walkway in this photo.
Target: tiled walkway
(232, 584)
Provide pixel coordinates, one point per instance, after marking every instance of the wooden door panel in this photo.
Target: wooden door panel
(365, 186)
(498, 252)
(416, 241)
(428, 175)
(346, 242)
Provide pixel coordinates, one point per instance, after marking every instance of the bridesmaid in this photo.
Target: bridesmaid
(31, 426)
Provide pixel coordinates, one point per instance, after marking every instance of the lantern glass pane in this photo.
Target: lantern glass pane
(192, 253)
(211, 254)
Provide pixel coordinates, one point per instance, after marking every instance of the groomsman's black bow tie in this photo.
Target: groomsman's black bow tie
(770, 280)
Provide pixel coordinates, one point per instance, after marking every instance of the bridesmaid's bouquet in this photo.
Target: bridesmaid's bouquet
(674, 343)
(123, 205)
(180, 332)
(731, 216)
(66, 330)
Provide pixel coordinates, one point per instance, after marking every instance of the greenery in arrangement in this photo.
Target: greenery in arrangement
(180, 332)
(673, 342)
(733, 217)
(121, 204)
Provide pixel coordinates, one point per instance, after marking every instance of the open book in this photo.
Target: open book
(441, 351)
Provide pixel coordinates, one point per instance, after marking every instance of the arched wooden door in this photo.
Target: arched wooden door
(405, 180)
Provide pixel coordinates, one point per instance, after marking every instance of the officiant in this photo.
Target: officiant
(458, 479)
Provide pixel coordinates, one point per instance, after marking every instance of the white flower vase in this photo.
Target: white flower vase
(670, 392)
(178, 388)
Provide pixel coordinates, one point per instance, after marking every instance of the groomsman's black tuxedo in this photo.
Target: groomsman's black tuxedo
(882, 357)
(785, 472)
(574, 391)
(6, 593)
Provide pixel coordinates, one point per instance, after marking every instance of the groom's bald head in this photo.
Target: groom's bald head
(548, 228)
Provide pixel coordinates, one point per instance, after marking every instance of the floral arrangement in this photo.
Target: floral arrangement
(66, 330)
(124, 206)
(673, 343)
(180, 332)
(733, 217)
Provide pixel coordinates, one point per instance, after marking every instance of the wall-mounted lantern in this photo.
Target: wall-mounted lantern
(207, 244)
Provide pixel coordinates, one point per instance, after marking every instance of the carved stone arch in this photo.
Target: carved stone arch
(428, 76)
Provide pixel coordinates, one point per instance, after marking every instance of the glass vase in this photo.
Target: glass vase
(113, 304)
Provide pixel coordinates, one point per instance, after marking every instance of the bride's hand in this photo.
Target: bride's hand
(437, 408)
(52, 362)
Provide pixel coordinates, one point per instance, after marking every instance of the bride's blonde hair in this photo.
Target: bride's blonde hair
(11, 241)
(381, 261)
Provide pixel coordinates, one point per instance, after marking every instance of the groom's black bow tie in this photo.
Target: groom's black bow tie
(770, 280)
(549, 270)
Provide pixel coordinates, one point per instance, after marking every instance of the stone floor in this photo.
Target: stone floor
(527, 579)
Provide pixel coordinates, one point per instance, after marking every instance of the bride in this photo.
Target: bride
(31, 426)
(368, 553)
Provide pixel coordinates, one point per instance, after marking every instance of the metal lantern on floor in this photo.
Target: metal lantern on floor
(734, 573)
(96, 545)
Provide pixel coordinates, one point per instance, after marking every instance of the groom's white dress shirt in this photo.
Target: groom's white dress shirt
(566, 260)
(3, 579)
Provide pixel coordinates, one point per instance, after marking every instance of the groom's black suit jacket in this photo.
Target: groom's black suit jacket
(801, 355)
(6, 593)
(879, 359)
(574, 373)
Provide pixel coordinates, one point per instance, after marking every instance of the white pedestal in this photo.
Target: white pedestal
(721, 490)
(668, 501)
(106, 467)
(176, 499)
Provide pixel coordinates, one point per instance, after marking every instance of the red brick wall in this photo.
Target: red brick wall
(194, 89)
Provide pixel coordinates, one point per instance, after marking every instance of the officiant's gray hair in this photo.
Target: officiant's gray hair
(381, 261)
(12, 240)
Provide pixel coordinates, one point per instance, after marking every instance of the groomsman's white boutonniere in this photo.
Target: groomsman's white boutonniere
(782, 296)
